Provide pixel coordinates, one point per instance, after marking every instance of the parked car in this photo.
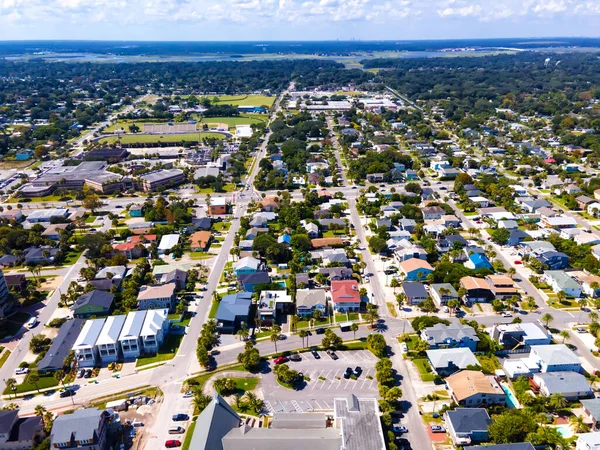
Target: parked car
(348, 373)
(137, 423)
(403, 347)
(295, 357)
(280, 360)
(581, 330)
(88, 373)
(180, 417)
(81, 373)
(320, 331)
(518, 261)
(402, 443)
(400, 429)
(21, 371)
(66, 393)
(506, 314)
(172, 443)
(188, 394)
(437, 429)
(357, 371)
(332, 355)
(316, 354)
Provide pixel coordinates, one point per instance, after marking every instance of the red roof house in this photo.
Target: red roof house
(345, 296)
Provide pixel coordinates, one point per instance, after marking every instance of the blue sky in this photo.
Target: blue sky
(295, 19)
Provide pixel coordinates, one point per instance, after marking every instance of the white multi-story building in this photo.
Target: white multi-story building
(129, 339)
(154, 329)
(86, 353)
(107, 344)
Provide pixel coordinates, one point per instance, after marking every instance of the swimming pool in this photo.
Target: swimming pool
(564, 430)
(511, 400)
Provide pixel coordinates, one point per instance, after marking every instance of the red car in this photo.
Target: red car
(172, 443)
(518, 262)
(280, 360)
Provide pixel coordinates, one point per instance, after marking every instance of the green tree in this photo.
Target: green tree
(376, 343)
(512, 426)
(34, 379)
(303, 334)
(11, 384)
(354, 329)
(203, 356)
(565, 335)
(250, 357)
(500, 236)
(557, 401)
(428, 305)
(547, 318)
(200, 402)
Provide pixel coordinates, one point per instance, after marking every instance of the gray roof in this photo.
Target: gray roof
(296, 421)
(310, 297)
(96, 298)
(564, 382)
(163, 174)
(246, 438)
(25, 429)
(563, 280)
(413, 289)
(234, 305)
(80, 426)
(213, 424)
(555, 354)
(593, 407)
(360, 424)
(116, 271)
(254, 278)
(539, 245)
(452, 357)
(61, 345)
(7, 418)
(467, 420)
(442, 334)
(515, 446)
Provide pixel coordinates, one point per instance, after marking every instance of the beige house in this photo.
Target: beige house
(471, 388)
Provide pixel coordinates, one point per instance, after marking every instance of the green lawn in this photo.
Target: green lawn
(245, 384)
(47, 198)
(245, 100)
(167, 351)
(46, 381)
(221, 226)
(229, 187)
(156, 138)
(424, 369)
(71, 258)
(233, 121)
(188, 436)
(336, 233)
(353, 316)
(213, 310)
(90, 219)
(4, 357)
(339, 318)
(200, 255)
(413, 341)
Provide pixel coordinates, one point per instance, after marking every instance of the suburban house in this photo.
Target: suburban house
(433, 212)
(155, 297)
(199, 241)
(167, 242)
(513, 335)
(449, 360)
(86, 352)
(176, 276)
(42, 255)
(248, 281)
(270, 303)
(310, 300)
(449, 336)
(442, 293)
(129, 338)
(107, 344)
(154, 330)
(553, 260)
(246, 265)
(415, 292)
(473, 388)
(415, 269)
(571, 385)
(114, 274)
(502, 286)
(345, 296)
(85, 428)
(94, 303)
(478, 290)
(233, 310)
(560, 281)
(130, 250)
(477, 261)
(591, 411)
(515, 446)
(218, 206)
(556, 358)
(20, 433)
(269, 204)
(467, 425)
(54, 359)
(588, 441)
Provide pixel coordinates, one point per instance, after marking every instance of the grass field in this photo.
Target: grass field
(233, 121)
(4, 357)
(46, 381)
(245, 100)
(424, 369)
(167, 351)
(155, 138)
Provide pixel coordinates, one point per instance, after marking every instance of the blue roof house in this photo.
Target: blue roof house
(233, 310)
(284, 239)
(478, 261)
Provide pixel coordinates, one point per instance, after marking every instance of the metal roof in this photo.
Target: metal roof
(111, 330)
(89, 334)
(132, 327)
(154, 321)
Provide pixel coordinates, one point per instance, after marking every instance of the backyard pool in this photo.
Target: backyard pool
(511, 400)
(564, 430)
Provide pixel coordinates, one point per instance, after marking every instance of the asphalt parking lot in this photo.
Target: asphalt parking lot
(326, 383)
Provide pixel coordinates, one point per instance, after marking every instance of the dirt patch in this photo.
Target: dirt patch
(51, 283)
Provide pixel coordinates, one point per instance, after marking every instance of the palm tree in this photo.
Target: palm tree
(237, 399)
(274, 337)
(201, 401)
(512, 272)
(394, 284)
(558, 401)
(593, 316)
(547, 318)
(565, 335)
(34, 378)
(354, 329)
(453, 305)
(578, 424)
(40, 410)
(303, 334)
(243, 332)
(11, 384)
(372, 314)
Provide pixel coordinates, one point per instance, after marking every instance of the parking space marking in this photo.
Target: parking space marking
(296, 406)
(283, 407)
(317, 403)
(327, 405)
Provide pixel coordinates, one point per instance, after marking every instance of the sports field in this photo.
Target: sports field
(154, 138)
(124, 124)
(231, 121)
(246, 100)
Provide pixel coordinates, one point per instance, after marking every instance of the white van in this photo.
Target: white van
(31, 323)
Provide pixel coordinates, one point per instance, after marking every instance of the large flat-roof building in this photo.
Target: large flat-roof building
(165, 177)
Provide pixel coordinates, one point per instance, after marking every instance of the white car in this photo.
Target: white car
(21, 371)
(506, 314)
(188, 394)
(403, 347)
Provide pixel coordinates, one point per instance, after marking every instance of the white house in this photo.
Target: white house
(167, 242)
(481, 202)
(154, 329)
(107, 344)
(86, 353)
(129, 338)
(588, 441)
(555, 358)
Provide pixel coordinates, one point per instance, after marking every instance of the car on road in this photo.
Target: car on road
(119, 207)
(88, 373)
(280, 360)
(506, 314)
(348, 373)
(581, 330)
(518, 262)
(316, 354)
(188, 394)
(399, 429)
(32, 323)
(295, 357)
(357, 371)
(437, 429)
(172, 443)
(180, 417)
(66, 393)
(81, 373)
(320, 331)
(332, 355)
(402, 443)
(404, 347)
(21, 371)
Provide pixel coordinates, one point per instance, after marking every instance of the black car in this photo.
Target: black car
(88, 373)
(180, 417)
(316, 354)
(67, 393)
(332, 355)
(81, 373)
(402, 443)
(295, 357)
(348, 373)
(320, 331)
(357, 371)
